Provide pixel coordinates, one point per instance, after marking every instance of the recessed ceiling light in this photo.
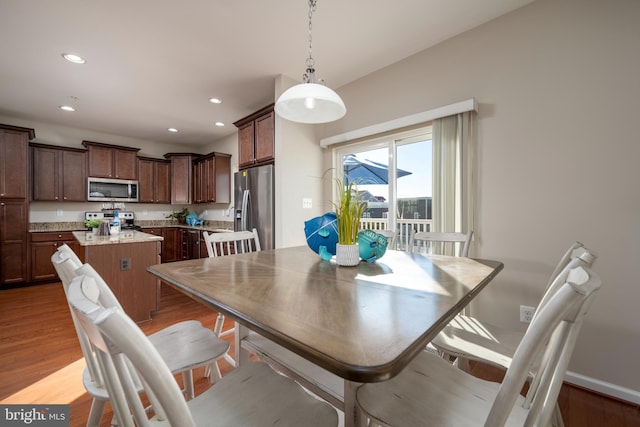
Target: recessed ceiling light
(219, 124)
(172, 130)
(215, 101)
(73, 58)
(67, 108)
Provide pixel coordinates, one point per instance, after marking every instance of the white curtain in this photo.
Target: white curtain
(453, 175)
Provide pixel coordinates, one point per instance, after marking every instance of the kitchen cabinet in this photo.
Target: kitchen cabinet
(212, 178)
(193, 246)
(172, 244)
(14, 152)
(13, 240)
(181, 177)
(154, 176)
(256, 138)
(14, 203)
(112, 161)
(124, 267)
(58, 174)
(43, 246)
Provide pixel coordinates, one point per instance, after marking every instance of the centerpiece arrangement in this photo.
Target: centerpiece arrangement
(349, 210)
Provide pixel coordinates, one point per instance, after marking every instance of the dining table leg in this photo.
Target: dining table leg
(350, 413)
(241, 354)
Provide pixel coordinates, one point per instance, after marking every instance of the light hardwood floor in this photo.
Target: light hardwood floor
(41, 361)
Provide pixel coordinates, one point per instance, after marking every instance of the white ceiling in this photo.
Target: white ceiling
(153, 64)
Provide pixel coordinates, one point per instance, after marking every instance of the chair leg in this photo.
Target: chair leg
(462, 364)
(557, 420)
(95, 413)
(187, 379)
(217, 329)
(214, 374)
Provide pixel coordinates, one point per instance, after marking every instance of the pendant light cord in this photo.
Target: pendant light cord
(308, 77)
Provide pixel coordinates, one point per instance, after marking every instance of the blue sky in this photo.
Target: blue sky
(414, 158)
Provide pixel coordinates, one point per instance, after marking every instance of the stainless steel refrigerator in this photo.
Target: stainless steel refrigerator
(254, 205)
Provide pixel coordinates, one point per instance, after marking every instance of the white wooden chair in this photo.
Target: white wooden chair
(467, 338)
(430, 391)
(391, 237)
(231, 243)
(456, 244)
(235, 242)
(251, 395)
(184, 346)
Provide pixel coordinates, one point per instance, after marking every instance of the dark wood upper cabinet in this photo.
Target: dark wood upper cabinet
(256, 138)
(112, 161)
(154, 176)
(58, 173)
(181, 177)
(212, 178)
(14, 153)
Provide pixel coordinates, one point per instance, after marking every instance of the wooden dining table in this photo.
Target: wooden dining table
(349, 325)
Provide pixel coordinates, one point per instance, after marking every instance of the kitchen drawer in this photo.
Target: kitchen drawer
(48, 236)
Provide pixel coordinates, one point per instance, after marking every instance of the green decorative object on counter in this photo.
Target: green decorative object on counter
(92, 223)
(180, 215)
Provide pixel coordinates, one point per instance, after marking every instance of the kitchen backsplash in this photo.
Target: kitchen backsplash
(79, 225)
(47, 212)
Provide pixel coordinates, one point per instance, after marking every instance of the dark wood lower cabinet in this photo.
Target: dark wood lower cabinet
(124, 267)
(45, 244)
(172, 245)
(13, 241)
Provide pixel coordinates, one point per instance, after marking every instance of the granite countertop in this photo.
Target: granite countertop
(213, 226)
(88, 238)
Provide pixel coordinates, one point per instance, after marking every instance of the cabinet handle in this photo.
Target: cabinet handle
(55, 244)
(56, 197)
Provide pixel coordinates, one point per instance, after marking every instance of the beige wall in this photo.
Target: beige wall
(558, 150)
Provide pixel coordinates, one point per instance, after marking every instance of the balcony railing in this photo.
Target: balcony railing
(403, 227)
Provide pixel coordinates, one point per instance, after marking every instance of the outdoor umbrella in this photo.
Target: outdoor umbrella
(367, 172)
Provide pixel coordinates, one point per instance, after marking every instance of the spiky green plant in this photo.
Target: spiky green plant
(349, 210)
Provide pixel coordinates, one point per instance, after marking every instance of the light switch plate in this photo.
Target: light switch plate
(307, 203)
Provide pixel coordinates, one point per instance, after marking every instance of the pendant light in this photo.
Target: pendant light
(310, 102)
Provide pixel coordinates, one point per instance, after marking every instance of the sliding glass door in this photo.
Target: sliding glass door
(394, 177)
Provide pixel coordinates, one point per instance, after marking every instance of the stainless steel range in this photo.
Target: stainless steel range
(126, 217)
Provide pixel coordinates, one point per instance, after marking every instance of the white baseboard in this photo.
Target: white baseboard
(613, 390)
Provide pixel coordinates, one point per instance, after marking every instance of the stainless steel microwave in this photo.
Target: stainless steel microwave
(107, 189)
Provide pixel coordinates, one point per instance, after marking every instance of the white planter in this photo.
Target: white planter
(347, 255)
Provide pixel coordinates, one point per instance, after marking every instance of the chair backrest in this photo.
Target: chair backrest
(391, 237)
(558, 323)
(67, 267)
(236, 242)
(456, 244)
(576, 256)
(119, 345)
(70, 253)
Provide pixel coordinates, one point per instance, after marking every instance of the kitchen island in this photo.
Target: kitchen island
(122, 260)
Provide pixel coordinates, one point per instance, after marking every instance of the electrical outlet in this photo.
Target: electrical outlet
(526, 313)
(307, 203)
(125, 264)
